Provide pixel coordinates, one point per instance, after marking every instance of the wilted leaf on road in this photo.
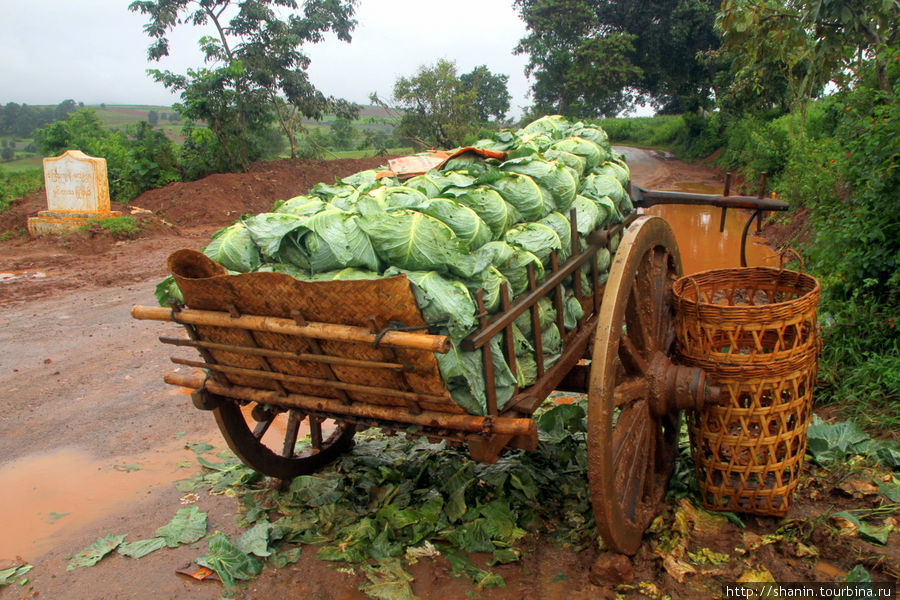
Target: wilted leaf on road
(857, 488)
(256, 540)
(677, 568)
(186, 527)
(705, 556)
(10, 575)
(229, 562)
(92, 554)
(758, 574)
(142, 548)
(388, 581)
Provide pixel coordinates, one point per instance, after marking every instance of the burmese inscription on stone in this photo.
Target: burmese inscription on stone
(76, 182)
(77, 194)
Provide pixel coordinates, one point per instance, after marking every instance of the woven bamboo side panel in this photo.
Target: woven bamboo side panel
(371, 304)
(754, 332)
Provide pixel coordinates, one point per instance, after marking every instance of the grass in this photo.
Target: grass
(14, 185)
(19, 165)
(657, 132)
(118, 227)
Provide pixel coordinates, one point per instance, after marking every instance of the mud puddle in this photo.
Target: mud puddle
(47, 497)
(701, 244)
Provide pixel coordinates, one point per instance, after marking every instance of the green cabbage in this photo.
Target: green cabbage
(523, 193)
(553, 126)
(302, 206)
(489, 205)
(573, 161)
(615, 170)
(592, 153)
(268, 230)
(563, 228)
(538, 239)
(551, 175)
(233, 248)
(513, 263)
(464, 375)
(445, 303)
(464, 221)
(410, 240)
(593, 134)
(399, 197)
(598, 186)
(489, 282)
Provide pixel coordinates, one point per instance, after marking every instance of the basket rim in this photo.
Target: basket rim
(681, 284)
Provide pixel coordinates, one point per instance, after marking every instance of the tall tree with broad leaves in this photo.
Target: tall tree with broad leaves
(784, 51)
(492, 102)
(438, 107)
(597, 57)
(256, 70)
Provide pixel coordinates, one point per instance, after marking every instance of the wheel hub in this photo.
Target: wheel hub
(677, 387)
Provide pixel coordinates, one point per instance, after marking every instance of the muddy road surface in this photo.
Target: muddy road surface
(91, 439)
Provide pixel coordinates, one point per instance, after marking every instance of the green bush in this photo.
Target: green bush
(137, 159)
(17, 184)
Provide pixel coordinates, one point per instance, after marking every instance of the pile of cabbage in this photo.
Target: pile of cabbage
(473, 224)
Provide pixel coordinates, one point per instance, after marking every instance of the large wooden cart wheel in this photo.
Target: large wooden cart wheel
(266, 440)
(635, 391)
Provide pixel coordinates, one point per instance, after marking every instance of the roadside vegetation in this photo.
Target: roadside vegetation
(833, 157)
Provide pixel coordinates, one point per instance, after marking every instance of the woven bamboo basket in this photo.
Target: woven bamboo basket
(754, 332)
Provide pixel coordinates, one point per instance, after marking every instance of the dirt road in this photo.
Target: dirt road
(91, 439)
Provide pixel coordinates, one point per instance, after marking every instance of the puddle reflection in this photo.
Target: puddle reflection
(701, 244)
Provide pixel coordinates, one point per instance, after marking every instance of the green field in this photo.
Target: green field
(120, 116)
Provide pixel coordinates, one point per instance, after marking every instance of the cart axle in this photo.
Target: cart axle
(676, 387)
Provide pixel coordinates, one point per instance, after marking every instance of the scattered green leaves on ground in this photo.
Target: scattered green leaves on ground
(15, 574)
(186, 527)
(229, 562)
(388, 581)
(198, 447)
(92, 554)
(141, 548)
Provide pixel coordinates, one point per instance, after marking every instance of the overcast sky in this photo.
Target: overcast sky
(95, 51)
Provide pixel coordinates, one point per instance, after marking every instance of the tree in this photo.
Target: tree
(136, 160)
(785, 50)
(257, 73)
(438, 108)
(343, 133)
(63, 109)
(593, 57)
(492, 101)
(7, 153)
(153, 118)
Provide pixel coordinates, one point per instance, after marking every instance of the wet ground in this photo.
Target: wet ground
(91, 439)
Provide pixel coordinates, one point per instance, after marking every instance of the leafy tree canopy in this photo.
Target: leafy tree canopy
(786, 50)
(441, 108)
(596, 57)
(492, 101)
(257, 71)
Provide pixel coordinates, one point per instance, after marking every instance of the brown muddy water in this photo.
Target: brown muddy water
(701, 244)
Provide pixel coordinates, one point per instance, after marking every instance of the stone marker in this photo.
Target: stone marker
(77, 193)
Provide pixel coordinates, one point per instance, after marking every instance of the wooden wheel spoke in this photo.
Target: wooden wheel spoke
(262, 427)
(290, 433)
(315, 432)
(638, 321)
(629, 391)
(631, 358)
(661, 298)
(631, 447)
